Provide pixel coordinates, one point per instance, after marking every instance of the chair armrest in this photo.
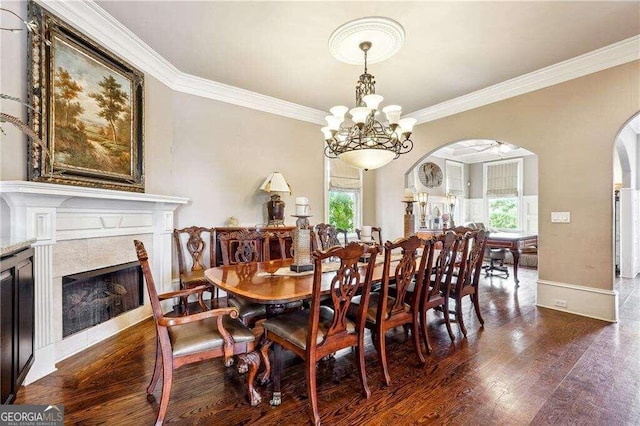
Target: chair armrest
(171, 321)
(182, 293)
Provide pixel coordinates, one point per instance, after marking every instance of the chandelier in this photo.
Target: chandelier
(365, 142)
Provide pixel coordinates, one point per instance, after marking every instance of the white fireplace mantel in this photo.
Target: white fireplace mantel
(58, 217)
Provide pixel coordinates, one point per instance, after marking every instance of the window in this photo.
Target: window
(344, 204)
(502, 193)
(455, 178)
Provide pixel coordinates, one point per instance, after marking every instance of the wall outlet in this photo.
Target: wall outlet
(560, 217)
(560, 303)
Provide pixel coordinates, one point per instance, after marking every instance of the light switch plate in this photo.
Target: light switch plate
(560, 217)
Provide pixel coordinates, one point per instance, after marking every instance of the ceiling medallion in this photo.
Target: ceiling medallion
(385, 35)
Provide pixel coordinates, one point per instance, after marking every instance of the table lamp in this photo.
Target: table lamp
(273, 184)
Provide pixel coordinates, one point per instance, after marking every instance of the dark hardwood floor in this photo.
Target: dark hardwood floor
(527, 365)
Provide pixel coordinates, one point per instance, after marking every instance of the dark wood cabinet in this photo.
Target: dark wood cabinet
(16, 321)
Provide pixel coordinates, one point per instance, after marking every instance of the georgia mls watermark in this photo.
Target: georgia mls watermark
(31, 415)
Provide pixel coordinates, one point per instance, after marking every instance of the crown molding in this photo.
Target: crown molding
(92, 20)
(193, 85)
(96, 23)
(609, 56)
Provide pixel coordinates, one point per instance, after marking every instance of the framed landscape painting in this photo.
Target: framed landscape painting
(88, 109)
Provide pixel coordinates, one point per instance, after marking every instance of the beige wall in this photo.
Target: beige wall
(13, 82)
(222, 153)
(571, 127)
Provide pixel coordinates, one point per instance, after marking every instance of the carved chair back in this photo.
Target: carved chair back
(473, 264)
(403, 275)
(195, 246)
(445, 262)
(328, 236)
(244, 246)
(283, 237)
(346, 284)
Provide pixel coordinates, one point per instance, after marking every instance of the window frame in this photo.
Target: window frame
(519, 200)
(357, 219)
(460, 165)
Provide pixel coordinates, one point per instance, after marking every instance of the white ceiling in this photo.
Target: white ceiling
(479, 150)
(451, 49)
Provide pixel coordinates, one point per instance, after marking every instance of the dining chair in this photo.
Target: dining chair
(246, 246)
(436, 294)
(185, 339)
(384, 311)
(321, 330)
(328, 235)
(195, 249)
(466, 284)
(376, 234)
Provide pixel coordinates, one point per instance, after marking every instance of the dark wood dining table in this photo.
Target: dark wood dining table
(515, 243)
(254, 283)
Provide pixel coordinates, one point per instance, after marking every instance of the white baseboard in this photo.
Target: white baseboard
(44, 363)
(586, 301)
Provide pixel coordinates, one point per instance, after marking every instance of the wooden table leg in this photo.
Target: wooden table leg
(516, 260)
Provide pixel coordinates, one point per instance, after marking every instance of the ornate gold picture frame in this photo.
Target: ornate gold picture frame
(88, 109)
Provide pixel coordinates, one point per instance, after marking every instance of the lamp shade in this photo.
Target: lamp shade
(367, 159)
(275, 182)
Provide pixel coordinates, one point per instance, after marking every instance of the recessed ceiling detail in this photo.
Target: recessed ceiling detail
(385, 35)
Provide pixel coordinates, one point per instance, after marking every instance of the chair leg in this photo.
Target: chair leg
(476, 306)
(312, 389)
(425, 336)
(382, 355)
(167, 380)
(415, 334)
(447, 320)
(459, 317)
(156, 369)
(275, 375)
(250, 362)
(361, 366)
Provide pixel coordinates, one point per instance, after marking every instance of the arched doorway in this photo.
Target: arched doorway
(626, 199)
(460, 168)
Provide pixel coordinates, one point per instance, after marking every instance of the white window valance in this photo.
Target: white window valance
(502, 179)
(342, 176)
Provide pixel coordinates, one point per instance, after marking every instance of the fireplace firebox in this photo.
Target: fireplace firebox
(92, 297)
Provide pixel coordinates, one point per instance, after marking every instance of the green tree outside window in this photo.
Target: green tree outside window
(341, 210)
(503, 213)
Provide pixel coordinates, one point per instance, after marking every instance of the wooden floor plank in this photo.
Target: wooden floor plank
(528, 365)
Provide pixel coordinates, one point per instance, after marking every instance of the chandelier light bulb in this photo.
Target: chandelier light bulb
(359, 115)
(334, 122)
(339, 111)
(393, 113)
(327, 133)
(372, 101)
(406, 124)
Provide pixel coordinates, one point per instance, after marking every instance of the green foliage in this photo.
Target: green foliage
(503, 213)
(341, 210)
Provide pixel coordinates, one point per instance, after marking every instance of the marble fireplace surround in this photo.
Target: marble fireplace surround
(80, 229)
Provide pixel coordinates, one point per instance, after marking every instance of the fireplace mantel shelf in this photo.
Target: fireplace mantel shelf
(66, 191)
